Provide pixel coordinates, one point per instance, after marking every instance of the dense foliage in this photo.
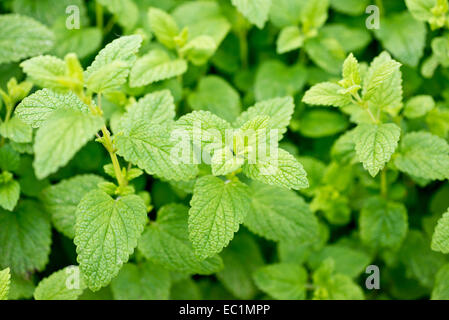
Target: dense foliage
(221, 149)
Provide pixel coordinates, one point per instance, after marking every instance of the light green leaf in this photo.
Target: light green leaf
(440, 238)
(38, 107)
(441, 288)
(404, 37)
(83, 42)
(290, 38)
(22, 37)
(279, 110)
(65, 284)
(145, 281)
(241, 259)
(106, 233)
(5, 281)
(53, 151)
(199, 50)
(421, 9)
(166, 242)
(256, 11)
(61, 200)
(25, 238)
(424, 155)
(164, 27)
(149, 146)
(374, 144)
(274, 79)
(278, 169)
(9, 192)
(326, 94)
(126, 11)
(418, 106)
(379, 77)
(217, 209)
(224, 162)
(112, 64)
(314, 14)
(282, 281)
(351, 72)
(383, 224)
(155, 66)
(326, 52)
(285, 209)
(216, 95)
(157, 107)
(46, 71)
(202, 18)
(286, 13)
(16, 130)
(350, 38)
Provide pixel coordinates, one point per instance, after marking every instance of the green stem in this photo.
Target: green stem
(243, 41)
(99, 15)
(380, 5)
(109, 145)
(383, 183)
(109, 26)
(9, 109)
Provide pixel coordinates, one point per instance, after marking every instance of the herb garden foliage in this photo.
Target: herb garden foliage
(95, 206)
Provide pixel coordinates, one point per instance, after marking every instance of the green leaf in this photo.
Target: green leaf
(216, 95)
(418, 106)
(145, 281)
(9, 158)
(166, 242)
(202, 18)
(16, 130)
(314, 14)
(22, 37)
(83, 42)
(279, 110)
(379, 77)
(157, 107)
(224, 162)
(441, 288)
(164, 27)
(383, 224)
(350, 7)
(199, 50)
(5, 281)
(404, 37)
(351, 72)
(282, 281)
(25, 238)
(61, 200)
(217, 209)
(440, 238)
(348, 261)
(54, 151)
(290, 38)
(149, 146)
(155, 66)
(322, 123)
(374, 145)
(278, 169)
(350, 38)
(106, 233)
(241, 259)
(285, 209)
(256, 11)
(421, 9)
(111, 66)
(126, 11)
(326, 94)
(38, 107)
(326, 52)
(65, 284)
(46, 71)
(274, 80)
(424, 155)
(9, 192)
(286, 13)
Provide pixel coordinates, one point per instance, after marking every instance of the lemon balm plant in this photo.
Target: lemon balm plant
(239, 140)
